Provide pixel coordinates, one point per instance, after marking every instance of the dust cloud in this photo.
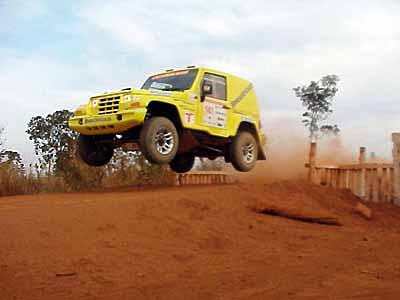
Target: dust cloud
(287, 153)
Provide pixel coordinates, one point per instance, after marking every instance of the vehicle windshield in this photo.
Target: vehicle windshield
(172, 81)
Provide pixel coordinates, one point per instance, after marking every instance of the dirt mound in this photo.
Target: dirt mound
(199, 242)
(303, 199)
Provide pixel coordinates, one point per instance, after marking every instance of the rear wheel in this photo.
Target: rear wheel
(244, 151)
(182, 163)
(92, 153)
(159, 140)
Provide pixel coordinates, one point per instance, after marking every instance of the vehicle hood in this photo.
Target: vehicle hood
(139, 92)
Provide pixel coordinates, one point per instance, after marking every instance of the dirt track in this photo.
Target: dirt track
(196, 243)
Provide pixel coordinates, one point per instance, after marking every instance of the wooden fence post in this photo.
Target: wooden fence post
(347, 179)
(396, 164)
(312, 161)
(362, 160)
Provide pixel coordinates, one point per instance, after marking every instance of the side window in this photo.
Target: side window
(218, 85)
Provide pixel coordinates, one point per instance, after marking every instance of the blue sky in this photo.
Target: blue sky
(56, 54)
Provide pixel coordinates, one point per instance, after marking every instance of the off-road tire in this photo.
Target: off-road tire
(154, 130)
(243, 151)
(93, 154)
(182, 163)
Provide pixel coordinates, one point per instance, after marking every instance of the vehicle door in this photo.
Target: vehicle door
(214, 110)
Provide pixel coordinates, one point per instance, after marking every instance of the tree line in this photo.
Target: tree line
(58, 169)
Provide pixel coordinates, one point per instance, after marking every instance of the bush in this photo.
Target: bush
(12, 181)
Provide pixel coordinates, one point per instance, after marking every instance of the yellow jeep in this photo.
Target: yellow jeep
(176, 116)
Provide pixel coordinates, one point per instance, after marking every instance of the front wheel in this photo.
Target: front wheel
(244, 151)
(159, 140)
(182, 163)
(93, 154)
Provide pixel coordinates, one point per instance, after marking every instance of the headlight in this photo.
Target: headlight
(130, 98)
(127, 98)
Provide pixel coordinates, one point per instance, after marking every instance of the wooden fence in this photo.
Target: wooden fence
(203, 177)
(377, 182)
(372, 182)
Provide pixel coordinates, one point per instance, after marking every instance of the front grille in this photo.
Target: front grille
(109, 105)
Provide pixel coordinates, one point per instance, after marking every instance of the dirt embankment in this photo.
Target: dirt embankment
(196, 243)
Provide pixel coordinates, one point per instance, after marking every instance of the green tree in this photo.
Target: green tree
(54, 144)
(12, 159)
(11, 171)
(51, 137)
(317, 98)
(7, 157)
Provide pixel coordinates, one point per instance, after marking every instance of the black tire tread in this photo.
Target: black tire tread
(182, 163)
(84, 147)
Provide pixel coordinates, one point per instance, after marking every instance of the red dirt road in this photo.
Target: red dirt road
(196, 243)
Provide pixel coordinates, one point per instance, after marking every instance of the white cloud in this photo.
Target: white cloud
(119, 22)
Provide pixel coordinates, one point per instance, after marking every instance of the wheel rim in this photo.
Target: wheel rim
(248, 151)
(164, 141)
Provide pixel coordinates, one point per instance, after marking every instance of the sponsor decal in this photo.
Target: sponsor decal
(170, 74)
(214, 114)
(94, 120)
(190, 117)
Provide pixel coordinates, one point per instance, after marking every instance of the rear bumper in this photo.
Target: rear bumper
(107, 124)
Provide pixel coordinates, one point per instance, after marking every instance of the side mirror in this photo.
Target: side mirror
(206, 89)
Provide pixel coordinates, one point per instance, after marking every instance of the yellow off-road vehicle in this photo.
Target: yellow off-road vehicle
(176, 116)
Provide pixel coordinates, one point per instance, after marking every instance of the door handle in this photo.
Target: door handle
(226, 107)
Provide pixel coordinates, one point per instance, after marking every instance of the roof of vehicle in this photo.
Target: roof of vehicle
(200, 68)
